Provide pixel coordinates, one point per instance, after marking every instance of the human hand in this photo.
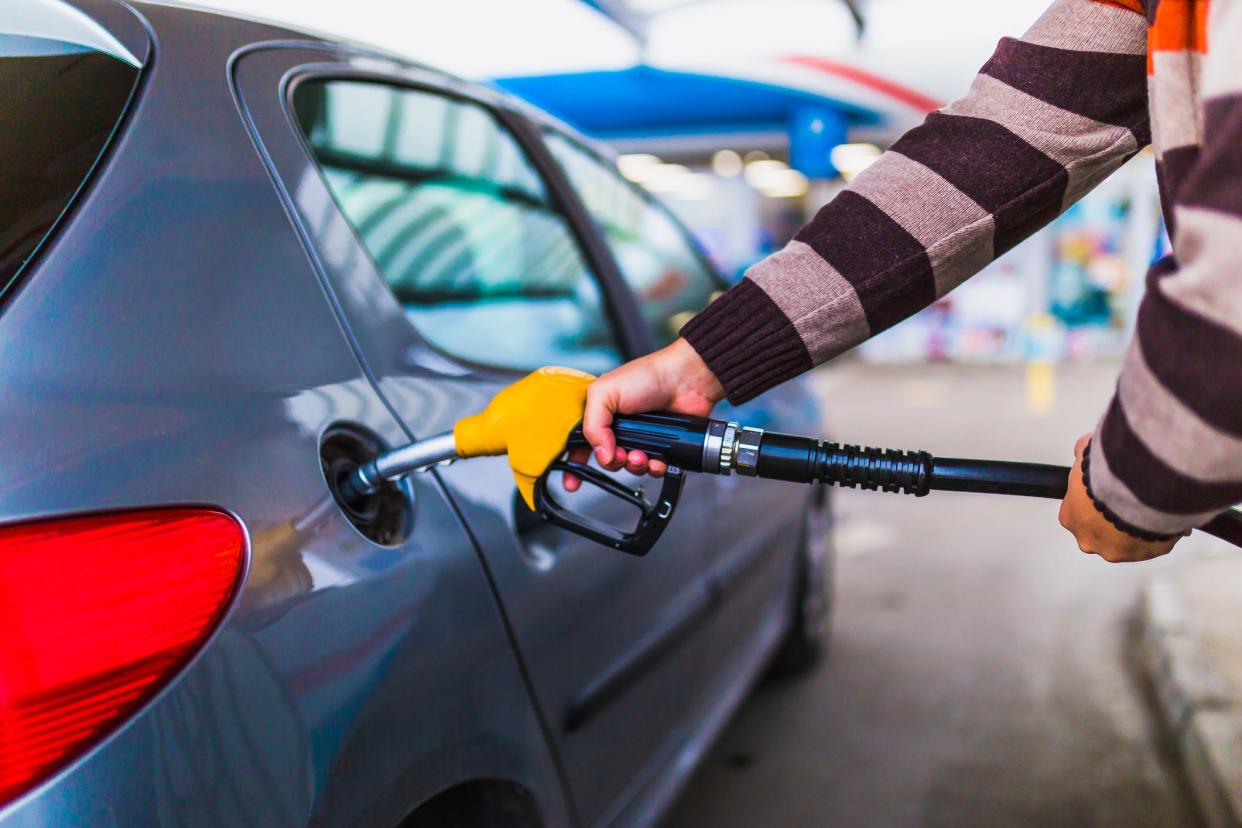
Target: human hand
(1094, 533)
(674, 379)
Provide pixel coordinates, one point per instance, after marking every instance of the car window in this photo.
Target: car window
(61, 102)
(460, 225)
(655, 255)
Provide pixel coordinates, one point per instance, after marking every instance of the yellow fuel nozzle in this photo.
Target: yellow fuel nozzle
(533, 421)
(530, 421)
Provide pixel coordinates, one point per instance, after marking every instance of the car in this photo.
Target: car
(235, 256)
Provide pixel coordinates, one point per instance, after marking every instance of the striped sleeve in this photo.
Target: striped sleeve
(1049, 116)
(1167, 455)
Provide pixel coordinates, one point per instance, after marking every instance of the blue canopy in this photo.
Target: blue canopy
(646, 102)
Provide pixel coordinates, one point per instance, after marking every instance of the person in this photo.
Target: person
(1049, 116)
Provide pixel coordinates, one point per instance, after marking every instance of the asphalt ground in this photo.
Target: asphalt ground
(980, 672)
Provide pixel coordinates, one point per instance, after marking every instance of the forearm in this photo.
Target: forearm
(951, 195)
(1167, 455)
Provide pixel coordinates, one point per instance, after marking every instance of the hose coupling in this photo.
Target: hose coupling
(746, 457)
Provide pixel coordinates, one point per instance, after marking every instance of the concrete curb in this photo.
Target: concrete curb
(1201, 710)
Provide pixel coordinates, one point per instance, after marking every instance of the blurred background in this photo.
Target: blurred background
(982, 671)
(747, 115)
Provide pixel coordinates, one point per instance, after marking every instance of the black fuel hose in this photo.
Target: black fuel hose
(687, 442)
(919, 473)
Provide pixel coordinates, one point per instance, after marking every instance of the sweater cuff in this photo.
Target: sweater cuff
(747, 342)
(1109, 514)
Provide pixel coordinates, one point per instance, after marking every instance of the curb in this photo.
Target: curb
(1199, 708)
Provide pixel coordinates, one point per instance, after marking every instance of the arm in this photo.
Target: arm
(1167, 455)
(1048, 117)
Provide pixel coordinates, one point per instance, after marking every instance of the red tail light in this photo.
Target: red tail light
(96, 614)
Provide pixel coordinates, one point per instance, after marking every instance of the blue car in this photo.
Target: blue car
(234, 257)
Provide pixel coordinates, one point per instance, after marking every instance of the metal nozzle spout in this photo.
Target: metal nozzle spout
(395, 464)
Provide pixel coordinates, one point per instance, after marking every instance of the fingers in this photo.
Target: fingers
(569, 481)
(1091, 530)
(639, 463)
(1108, 543)
(601, 402)
(1114, 556)
(636, 463)
(618, 461)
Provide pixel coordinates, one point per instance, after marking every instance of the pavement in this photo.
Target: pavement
(983, 671)
(1191, 647)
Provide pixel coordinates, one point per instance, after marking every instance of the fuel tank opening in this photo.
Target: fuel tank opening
(384, 516)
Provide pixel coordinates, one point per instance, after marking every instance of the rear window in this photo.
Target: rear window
(65, 87)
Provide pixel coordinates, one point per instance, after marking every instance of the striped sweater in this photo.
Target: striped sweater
(1049, 116)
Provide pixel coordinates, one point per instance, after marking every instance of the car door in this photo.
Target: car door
(753, 533)
(458, 265)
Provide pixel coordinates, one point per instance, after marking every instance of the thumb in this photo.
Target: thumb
(601, 402)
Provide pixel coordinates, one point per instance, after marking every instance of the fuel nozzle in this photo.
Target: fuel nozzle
(528, 421)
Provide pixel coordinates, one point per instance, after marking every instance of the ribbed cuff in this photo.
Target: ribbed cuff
(747, 342)
(1109, 514)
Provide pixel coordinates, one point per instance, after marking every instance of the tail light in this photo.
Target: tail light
(96, 614)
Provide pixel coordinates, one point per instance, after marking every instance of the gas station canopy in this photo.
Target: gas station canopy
(648, 102)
